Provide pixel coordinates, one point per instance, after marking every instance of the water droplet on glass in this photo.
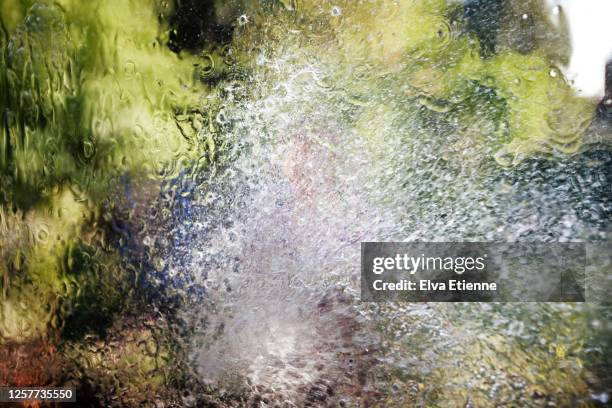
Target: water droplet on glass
(88, 149)
(129, 68)
(206, 66)
(243, 20)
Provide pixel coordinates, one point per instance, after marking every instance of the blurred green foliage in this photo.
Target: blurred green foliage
(89, 94)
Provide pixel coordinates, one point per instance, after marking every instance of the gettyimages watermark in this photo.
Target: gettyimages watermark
(484, 272)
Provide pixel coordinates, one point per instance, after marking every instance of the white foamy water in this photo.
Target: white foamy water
(280, 316)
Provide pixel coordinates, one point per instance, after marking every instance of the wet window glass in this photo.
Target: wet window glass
(185, 186)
